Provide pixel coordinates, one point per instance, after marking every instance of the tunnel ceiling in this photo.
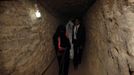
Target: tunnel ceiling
(67, 7)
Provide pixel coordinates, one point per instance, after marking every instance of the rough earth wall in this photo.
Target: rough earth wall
(25, 40)
(110, 38)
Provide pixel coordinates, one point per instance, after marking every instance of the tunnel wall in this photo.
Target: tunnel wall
(110, 38)
(25, 40)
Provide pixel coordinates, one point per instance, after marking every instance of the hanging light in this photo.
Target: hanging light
(37, 12)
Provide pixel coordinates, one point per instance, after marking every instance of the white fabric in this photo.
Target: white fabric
(69, 28)
(75, 31)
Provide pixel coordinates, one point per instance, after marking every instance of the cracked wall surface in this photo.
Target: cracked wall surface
(25, 40)
(110, 38)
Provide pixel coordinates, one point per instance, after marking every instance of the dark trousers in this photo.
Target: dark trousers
(77, 55)
(63, 61)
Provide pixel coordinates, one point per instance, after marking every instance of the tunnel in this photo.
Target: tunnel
(27, 28)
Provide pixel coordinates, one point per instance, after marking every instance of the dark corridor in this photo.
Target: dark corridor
(66, 9)
(27, 28)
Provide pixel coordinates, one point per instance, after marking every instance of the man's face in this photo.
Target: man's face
(77, 22)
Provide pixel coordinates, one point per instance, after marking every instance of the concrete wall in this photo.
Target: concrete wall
(110, 38)
(25, 40)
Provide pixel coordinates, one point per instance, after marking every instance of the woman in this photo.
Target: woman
(69, 31)
(62, 47)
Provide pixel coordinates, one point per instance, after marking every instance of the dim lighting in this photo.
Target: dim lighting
(38, 14)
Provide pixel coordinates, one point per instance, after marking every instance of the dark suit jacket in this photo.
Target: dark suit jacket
(80, 36)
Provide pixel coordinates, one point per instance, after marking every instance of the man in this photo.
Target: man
(62, 47)
(78, 39)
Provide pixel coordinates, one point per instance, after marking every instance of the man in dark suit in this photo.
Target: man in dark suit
(78, 39)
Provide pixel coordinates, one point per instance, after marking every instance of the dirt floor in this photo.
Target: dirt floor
(72, 71)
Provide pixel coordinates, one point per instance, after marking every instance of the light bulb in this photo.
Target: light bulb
(38, 14)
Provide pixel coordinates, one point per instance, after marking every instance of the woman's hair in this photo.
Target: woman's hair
(61, 30)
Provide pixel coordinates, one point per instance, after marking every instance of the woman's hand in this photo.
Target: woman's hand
(61, 48)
